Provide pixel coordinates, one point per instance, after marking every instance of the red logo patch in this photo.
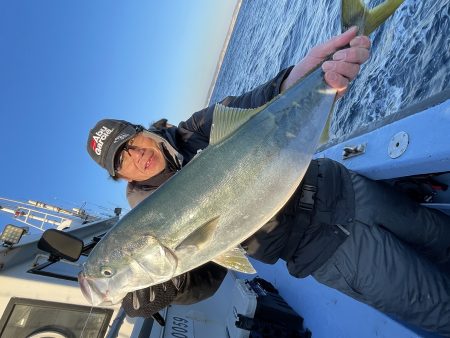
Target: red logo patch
(93, 144)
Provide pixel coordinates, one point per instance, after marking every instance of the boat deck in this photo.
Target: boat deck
(327, 312)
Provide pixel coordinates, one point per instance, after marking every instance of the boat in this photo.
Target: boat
(410, 145)
(40, 296)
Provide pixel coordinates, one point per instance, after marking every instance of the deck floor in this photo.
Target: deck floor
(329, 313)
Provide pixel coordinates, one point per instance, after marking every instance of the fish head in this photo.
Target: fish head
(116, 267)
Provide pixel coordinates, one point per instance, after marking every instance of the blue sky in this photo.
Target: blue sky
(64, 65)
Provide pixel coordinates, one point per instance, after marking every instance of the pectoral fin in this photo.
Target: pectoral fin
(199, 238)
(355, 12)
(226, 120)
(235, 259)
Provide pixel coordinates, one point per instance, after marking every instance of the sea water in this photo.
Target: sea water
(410, 57)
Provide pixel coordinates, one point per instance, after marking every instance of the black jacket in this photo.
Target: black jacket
(303, 240)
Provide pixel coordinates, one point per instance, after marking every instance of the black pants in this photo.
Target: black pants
(395, 258)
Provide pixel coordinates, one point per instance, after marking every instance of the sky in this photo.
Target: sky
(64, 65)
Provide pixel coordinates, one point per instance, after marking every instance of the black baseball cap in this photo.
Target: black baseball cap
(107, 138)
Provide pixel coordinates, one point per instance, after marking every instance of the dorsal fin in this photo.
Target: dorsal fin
(226, 120)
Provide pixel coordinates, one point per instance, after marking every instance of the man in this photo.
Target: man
(393, 260)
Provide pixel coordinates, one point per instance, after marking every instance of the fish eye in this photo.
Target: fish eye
(106, 271)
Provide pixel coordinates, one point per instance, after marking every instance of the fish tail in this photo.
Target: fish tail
(356, 13)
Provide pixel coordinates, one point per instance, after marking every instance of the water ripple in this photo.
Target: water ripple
(410, 58)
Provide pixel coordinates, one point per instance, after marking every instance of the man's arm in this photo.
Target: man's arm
(341, 68)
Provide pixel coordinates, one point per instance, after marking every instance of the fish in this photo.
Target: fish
(254, 162)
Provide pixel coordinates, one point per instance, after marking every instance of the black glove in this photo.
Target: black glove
(146, 302)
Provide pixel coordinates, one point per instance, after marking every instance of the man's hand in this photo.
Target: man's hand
(344, 65)
(147, 302)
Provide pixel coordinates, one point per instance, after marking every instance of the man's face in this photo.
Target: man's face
(141, 159)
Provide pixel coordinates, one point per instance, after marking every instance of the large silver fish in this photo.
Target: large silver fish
(255, 161)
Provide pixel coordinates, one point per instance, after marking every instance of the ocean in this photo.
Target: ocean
(410, 56)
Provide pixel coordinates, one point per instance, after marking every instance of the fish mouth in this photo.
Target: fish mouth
(86, 288)
(102, 291)
(91, 290)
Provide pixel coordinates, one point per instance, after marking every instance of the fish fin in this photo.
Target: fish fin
(355, 13)
(200, 237)
(326, 132)
(235, 259)
(186, 250)
(325, 136)
(226, 120)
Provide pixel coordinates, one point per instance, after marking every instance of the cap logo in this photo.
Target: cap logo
(98, 138)
(121, 137)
